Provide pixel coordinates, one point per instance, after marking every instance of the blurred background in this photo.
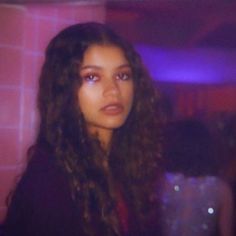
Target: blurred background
(188, 46)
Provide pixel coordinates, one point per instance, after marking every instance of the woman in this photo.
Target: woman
(194, 200)
(95, 161)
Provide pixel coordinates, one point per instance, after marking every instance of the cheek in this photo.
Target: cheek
(129, 94)
(83, 100)
(87, 99)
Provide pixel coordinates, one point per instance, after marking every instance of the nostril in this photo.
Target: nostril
(111, 88)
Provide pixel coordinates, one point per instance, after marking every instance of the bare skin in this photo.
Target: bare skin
(106, 94)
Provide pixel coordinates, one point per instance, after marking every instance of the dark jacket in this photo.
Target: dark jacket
(41, 204)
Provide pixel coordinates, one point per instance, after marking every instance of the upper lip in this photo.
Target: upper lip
(115, 104)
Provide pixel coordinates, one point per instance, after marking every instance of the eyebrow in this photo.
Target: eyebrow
(99, 67)
(124, 66)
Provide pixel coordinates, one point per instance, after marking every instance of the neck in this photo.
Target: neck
(105, 140)
(104, 136)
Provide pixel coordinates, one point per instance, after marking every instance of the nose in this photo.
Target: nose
(111, 88)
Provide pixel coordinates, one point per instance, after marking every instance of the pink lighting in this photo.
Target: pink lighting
(25, 32)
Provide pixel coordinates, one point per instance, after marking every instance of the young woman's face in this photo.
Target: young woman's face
(106, 94)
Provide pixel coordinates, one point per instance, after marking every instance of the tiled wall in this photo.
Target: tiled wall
(25, 32)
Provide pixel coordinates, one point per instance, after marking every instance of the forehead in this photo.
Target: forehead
(110, 54)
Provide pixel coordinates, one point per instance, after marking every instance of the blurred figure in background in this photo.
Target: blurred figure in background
(228, 136)
(194, 200)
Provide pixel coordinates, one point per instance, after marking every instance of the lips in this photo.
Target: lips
(113, 109)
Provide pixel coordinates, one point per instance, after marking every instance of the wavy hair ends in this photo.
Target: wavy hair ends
(63, 129)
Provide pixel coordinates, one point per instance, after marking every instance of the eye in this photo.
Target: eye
(123, 76)
(90, 78)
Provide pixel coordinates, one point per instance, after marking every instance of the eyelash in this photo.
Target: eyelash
(91, 78)
(123, 76)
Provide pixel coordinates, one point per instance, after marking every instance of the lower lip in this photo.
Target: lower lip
(112, 110)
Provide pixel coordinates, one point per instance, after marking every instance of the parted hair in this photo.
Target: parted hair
(135, 150)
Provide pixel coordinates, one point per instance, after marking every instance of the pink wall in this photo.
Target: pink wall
(25, 32)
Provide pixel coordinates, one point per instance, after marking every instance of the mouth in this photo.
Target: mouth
(113, 109)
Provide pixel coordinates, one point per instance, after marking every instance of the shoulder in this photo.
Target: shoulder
(43, 176)
(42, 198)
(42, 183)
(220, 188)
(40, 167)
(225, 191)
(219, 183)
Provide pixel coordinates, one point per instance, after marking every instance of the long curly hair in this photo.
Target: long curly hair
(135, 150)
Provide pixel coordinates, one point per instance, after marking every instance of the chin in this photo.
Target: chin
(114, 124)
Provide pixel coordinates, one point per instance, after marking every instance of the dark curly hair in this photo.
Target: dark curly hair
(133, 158)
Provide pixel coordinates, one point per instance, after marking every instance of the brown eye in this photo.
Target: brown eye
(91, 78)
(123, 76)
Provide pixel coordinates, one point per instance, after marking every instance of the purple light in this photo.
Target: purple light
(195, 65)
